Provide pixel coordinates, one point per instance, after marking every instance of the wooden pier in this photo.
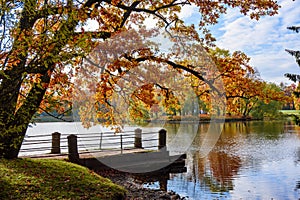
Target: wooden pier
(135, 159)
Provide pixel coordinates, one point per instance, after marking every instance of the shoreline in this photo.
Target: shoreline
(175, 121)
(135, 188)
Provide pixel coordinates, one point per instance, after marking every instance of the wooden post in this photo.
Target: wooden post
(162, 140)
(138, 138)
(73, 149)
(55, 149)
(121, 138)
(163, 181)
(101, 137)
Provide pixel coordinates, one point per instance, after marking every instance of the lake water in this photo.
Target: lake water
(250, 160)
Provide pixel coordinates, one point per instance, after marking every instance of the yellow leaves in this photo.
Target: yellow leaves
(115, 2)
(115, 58)
(40, 25)
(11, 63)
(242, 87)
(55, 26)
(110, 18)
(83, 15)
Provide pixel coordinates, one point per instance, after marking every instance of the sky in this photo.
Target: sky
(264, 41)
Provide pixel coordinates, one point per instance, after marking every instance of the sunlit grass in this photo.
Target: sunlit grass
(290, 112)
(53, 179)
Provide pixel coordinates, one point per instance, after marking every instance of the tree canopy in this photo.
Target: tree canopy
(43, 44)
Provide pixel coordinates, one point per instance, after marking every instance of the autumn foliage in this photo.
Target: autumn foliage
(44, 44)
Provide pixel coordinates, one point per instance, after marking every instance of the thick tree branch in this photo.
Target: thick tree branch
(94, 34)
(175, 66)
(240, 96)
(128, 12)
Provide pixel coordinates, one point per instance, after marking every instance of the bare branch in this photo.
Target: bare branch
(59, 117)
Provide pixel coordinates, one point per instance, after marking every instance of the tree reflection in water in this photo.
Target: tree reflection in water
(216, 171)
(251, 160)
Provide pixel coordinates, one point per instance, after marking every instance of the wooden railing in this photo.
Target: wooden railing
(58, 143)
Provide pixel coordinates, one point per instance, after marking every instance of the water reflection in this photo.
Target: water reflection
(297, 185)
(251, 160)
(215, 172)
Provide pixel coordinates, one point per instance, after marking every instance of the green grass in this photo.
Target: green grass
(53, 179)
(290, 112)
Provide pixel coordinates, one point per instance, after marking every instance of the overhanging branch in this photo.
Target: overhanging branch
(175, 66)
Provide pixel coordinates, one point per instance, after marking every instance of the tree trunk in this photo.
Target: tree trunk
(11, 141)
(14, 123)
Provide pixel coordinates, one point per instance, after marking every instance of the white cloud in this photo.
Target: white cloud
(150, 22)
(91, 25)
(264, 40)
(187, 11)
(289, 12)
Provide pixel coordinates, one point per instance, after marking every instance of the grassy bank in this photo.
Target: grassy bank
(290, 112)
(53, 179)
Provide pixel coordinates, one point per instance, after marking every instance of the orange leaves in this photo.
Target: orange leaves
(145, 93)
(40, 26)
(127, 63)
(242, 86)
(109, 18)
(59, 92)
(115, 2)
(255, 8)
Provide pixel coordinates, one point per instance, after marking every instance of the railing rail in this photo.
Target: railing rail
(58, 143)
